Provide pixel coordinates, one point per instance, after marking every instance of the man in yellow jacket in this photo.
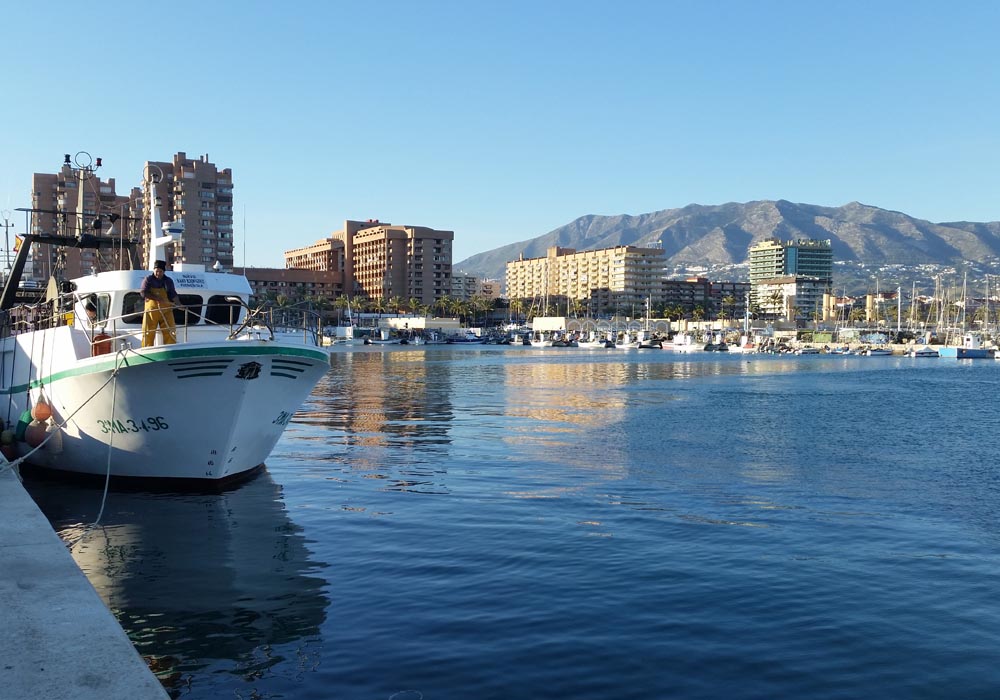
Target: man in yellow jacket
(161, 296)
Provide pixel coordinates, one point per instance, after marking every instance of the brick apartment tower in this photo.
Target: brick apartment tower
(201, 195)
(381, 260)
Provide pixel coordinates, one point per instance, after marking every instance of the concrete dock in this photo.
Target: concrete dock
(57, 638)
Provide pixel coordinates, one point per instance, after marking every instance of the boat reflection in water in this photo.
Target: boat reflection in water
(221, 582)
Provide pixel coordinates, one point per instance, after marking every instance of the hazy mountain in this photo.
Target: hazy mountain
(720, 235)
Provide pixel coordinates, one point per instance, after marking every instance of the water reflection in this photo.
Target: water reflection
(400, 398)
(197, 579)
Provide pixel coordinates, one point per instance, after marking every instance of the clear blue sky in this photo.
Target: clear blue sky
(504, 120)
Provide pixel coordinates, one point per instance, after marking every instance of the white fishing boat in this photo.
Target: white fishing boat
(382, 337)
(683, 342)
(84, 395)
(594, 341)
(648, 342)
(923, 352)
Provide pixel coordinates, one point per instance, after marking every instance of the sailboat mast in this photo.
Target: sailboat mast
(899, 308)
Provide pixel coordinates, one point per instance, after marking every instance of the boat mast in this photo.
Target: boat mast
(899, 309)
(157, 243)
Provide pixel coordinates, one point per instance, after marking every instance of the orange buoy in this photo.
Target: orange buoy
(41, 410)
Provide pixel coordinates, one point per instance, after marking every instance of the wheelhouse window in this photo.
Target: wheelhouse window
(100, 304)
(222, 311)
(132, 308)
(191, 313)
(133, 305)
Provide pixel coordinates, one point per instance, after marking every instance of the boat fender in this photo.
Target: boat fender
(7, 437)
(41, 410)
(54, 435)
(22, 426)
(34, 434)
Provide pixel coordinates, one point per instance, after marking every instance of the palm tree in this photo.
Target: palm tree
(340, 304)
(730, 301)
(516, 308)
(776, 299)
(444, 304)
(674, 312)
(477, 305)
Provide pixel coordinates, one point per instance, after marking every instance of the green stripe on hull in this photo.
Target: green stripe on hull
(165, 354)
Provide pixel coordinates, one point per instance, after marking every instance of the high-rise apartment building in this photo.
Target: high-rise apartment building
(810, 261)
(326, 255)
(602, 279)
(772, 258)
(55, 199)
(198, 193)
(466, 287)
(380, 260)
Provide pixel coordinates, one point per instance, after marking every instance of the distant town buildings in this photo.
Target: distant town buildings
(791, 279)
(466, 287)
(382, 260)
(620, 280)
(273, 283)
(599, 279)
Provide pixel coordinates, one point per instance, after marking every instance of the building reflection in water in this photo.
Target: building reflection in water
(196, 580)
(397, 398)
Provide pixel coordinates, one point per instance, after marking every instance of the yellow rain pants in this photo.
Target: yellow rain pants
(159, 313)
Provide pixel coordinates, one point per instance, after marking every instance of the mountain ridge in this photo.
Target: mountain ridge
(718, 235)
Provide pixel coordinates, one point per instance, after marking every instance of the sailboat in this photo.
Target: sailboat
(345, 334)
(746, 343)
(970, 347)
(84, 396)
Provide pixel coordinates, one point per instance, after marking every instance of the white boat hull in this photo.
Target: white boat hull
(204, 412)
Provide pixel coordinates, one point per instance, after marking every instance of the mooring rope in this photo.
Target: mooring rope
(119, 356)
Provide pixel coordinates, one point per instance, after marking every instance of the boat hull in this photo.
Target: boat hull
(210, 412)
(965, 353)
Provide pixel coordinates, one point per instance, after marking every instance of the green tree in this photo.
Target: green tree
(730, 301)
(444, 304)
(516, 308)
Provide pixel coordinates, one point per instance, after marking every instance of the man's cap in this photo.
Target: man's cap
(160, 265)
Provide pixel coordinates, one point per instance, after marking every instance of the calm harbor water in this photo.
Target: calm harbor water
(489, 522)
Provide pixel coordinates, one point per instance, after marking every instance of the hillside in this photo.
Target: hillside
(720, 235)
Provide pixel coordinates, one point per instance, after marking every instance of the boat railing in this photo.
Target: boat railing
(295, 319)
(24, 318)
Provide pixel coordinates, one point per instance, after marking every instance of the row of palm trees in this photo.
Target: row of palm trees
(480, 310)
(467, 310)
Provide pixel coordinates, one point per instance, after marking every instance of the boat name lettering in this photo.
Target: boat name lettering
(188, 280)
(130, 425)
(282, 418)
